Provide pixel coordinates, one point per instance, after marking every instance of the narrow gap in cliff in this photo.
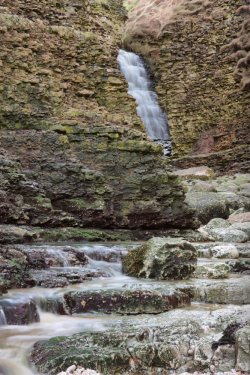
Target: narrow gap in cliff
(148, 109)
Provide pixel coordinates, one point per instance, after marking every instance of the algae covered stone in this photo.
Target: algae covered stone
(162, 259)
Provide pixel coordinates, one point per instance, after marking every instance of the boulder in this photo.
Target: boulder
(14, 268)
(55, 278)
(225, 251)
(216, 223)
(245, 190)
(161, 258)
(244, 250)
(234, 201)
(229, 235)
(207, 205)
(53, 256)
(221, 230)
(202, 186)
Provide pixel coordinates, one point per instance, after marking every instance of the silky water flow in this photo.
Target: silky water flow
(148, 109)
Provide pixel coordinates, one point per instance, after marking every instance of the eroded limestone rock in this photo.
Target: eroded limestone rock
(162, 259)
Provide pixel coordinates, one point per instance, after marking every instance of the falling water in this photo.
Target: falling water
(139, 86)
(3, 320)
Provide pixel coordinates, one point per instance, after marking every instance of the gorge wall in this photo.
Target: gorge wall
(198, 51)
(72, 150)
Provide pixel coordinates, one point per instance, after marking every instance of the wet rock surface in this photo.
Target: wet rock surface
(46, 266)
(19, 313)
(172, 342)
(54, 278)
(125, 301)
(132, 340)
(162, 259)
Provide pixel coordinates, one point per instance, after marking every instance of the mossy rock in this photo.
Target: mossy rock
(162, 259)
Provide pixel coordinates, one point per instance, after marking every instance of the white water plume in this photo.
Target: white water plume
(139, 86)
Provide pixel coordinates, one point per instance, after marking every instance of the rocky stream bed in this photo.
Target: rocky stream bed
(82, 310)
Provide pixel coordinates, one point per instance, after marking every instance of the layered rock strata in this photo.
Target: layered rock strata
(72, 150)
(192, 48)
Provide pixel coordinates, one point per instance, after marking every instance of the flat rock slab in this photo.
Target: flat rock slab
(60, 277)
(125, 301)
(10, 234)
(235, 290)
(207, 205)
(176, 340)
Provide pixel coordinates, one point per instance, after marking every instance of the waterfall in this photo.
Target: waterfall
(148, 109)
(3, 320)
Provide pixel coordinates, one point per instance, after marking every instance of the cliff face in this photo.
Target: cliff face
(198, 52)
(72, 150)
(59, 63)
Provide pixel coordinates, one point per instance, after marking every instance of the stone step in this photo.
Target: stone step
(125, 300)
(61, 277)
(234, 290)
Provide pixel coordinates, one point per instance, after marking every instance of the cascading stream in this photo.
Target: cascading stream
(148, 109)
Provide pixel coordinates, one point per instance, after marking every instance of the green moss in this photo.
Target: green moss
(131, 5)
(83, 203)
(64, 140)
(44, 202)
(82, 234)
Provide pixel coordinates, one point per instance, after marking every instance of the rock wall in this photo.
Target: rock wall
(72, 150)
(193, 48)
(58, 63)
